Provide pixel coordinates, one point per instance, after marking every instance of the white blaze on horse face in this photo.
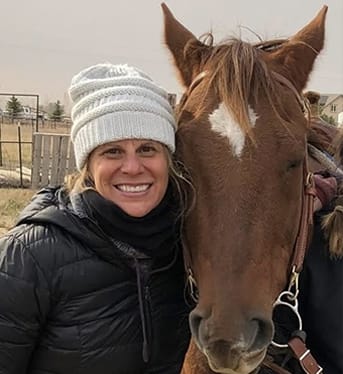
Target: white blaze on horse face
(224, 124)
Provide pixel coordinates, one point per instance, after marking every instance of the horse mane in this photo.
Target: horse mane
(239, 75)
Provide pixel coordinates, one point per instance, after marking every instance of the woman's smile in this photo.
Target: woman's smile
(129, 188)
(133, 174)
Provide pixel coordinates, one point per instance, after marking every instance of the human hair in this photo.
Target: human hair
(82, 180)
(79, 181)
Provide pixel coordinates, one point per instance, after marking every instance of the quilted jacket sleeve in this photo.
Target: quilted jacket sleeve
(24, 304)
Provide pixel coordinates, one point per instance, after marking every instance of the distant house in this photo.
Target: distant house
(331, 105)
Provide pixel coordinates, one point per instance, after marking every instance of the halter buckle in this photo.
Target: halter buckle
(293, 285)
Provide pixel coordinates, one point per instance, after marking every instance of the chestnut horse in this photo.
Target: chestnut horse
(243, 137)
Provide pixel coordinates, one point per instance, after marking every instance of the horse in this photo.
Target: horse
(243, 136)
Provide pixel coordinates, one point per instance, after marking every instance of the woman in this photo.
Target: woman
(92, 277)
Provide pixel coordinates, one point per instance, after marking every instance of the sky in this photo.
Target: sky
(43, 43)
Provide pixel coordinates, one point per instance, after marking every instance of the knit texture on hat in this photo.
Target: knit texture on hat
(116, 102)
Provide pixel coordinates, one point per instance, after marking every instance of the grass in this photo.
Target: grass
(12, 201)
(9, 152)
(9, 139)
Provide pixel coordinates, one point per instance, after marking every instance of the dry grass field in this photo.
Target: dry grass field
(9, 139)
(12, 201)
(10, 151)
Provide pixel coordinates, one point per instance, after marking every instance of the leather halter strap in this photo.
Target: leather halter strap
(306, 220)
(304, 356)
(309, 193)
(301, 353)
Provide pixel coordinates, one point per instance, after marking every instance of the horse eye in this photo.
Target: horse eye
(293, 164)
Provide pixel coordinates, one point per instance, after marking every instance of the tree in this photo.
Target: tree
(328, 119)
(57, 112)
(14, 107)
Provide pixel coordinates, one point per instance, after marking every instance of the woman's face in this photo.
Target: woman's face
(131, 173)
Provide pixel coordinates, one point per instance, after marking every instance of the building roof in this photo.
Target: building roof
(327, 99)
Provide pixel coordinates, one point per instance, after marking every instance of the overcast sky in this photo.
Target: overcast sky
(43, 43)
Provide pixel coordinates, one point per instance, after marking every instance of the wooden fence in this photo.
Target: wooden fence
(52, 159)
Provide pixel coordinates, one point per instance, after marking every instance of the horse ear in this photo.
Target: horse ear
(296, 57)
(185, 48)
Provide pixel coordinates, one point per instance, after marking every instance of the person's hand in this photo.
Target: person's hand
(326, 190)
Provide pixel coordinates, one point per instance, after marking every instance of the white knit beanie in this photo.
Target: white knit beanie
(115, 102)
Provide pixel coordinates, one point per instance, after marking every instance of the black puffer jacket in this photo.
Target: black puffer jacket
(72, 301)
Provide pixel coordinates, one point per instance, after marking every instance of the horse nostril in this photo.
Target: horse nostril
(194, 322)
(261, 331)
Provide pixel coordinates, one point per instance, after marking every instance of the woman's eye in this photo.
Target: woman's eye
(147, 150)
(113, 152)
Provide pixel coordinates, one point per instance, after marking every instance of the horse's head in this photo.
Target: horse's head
(242, 136)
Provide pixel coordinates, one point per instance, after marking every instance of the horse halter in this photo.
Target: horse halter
(288, 298)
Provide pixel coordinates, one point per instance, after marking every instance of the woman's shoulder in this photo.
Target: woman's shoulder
(42, 244)
(16, 255)
(32, 235)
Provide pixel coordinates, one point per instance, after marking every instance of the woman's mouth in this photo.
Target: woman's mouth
(133, 188)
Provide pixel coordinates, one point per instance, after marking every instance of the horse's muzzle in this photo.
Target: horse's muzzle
(226, 352)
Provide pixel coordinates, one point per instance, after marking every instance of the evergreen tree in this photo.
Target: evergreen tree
(13, 107)
(57, 112)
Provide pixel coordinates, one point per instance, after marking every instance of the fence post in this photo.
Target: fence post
(36, 164)
(20, 156)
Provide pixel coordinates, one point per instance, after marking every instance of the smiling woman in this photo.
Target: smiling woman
(133, 174)
(92, 276)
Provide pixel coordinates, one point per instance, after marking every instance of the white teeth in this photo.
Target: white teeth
(130, 188)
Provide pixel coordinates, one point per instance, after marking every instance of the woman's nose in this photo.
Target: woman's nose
(132, 164)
